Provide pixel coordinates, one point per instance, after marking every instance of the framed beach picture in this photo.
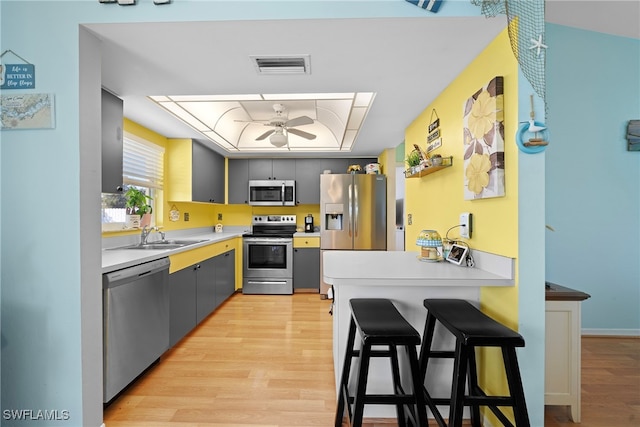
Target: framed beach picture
(27, 111)
(483, 137)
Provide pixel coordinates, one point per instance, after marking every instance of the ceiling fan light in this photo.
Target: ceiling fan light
(278, 139)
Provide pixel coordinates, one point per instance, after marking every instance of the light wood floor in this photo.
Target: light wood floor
(266, 361)
(610, 385)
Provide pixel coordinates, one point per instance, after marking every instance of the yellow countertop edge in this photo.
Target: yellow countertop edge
(185, 259)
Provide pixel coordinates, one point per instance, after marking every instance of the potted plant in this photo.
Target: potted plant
(138, 208)
(413, 161)
(436, 160)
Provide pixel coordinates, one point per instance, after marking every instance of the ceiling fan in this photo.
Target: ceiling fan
(282, 127)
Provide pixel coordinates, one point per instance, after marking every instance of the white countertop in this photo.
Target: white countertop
(305, 234)
(116, 259)
(389, 268)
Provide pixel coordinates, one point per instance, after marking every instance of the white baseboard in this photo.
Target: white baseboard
(611, 332)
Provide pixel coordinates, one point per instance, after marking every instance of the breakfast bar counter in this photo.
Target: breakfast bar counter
(406, 281)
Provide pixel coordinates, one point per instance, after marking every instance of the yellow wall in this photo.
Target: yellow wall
(435, 201)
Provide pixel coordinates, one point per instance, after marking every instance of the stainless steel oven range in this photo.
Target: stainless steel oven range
(268, 255)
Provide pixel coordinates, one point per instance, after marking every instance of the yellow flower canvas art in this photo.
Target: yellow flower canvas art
(483, 138)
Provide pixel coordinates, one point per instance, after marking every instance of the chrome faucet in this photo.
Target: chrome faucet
(146, 230)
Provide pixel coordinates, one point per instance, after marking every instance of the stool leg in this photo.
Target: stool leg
(515, 386)
(343, 389)
(425, 354)
(457, 387)
(395, 374)
(425, 348)
(418, 381)
(361, 385)
(473, 386)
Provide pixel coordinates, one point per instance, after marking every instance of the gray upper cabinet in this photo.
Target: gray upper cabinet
(112, 124)
(272, 169)
(208, 175)
(284, 169)
(238, 181)
(308, 181)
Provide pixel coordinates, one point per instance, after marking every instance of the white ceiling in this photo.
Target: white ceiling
(406, 62)
(299, 122)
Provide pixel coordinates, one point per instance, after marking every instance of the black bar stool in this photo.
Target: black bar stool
(380, 323)
(472, 329)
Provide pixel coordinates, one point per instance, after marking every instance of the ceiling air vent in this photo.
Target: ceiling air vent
(294, 64)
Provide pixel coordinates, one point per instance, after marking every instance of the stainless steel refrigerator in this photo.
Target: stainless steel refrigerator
(353, 214)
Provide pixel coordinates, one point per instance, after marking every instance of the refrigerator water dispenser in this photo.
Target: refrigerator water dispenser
(333, 216)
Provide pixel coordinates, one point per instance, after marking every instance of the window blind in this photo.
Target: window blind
(142, 163)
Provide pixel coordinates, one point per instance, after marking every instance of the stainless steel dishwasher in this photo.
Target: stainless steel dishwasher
(136, 322)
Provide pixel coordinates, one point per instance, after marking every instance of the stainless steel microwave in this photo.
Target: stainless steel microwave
(272, 192)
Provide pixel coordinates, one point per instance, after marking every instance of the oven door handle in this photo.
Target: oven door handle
(268, 240)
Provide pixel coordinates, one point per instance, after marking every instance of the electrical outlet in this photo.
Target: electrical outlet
(186, 216)
(409, 219)
(219, 217)
(466, 225)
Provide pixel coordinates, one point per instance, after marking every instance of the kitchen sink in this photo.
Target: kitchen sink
(163, 244)
(154, 246)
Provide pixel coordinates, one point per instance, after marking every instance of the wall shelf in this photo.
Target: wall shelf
(447, 162)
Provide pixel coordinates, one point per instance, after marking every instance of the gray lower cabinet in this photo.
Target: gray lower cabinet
(306, 268)
(182, 303)
(225, 276)
(205, 288)
(198, 290)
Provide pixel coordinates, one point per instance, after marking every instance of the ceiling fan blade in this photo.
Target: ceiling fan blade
(299, 121)
(302, 133)
(264, 135)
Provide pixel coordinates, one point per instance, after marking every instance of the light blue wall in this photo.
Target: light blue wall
(592, 191)
(50, 262)
(530, 261)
